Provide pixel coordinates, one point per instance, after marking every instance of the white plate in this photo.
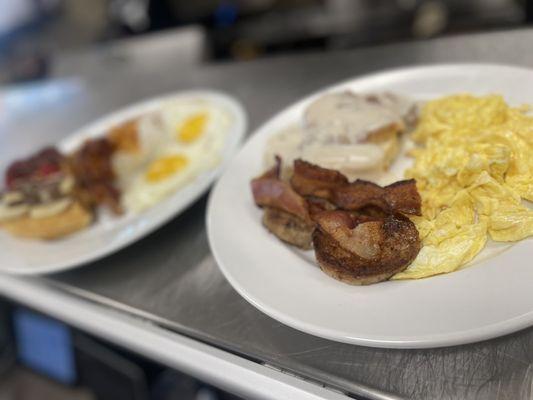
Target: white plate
(111, 233)
(491, 298)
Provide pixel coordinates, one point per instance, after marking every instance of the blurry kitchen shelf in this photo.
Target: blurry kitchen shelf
(181, 47)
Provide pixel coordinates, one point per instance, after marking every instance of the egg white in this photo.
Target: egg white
(204, 153)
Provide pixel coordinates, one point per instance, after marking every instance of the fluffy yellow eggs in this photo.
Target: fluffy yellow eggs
(474, 171)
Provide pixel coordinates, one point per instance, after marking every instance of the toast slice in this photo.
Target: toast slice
(72, 219)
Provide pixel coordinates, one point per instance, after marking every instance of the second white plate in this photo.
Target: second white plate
(111, 233)
(491, 298)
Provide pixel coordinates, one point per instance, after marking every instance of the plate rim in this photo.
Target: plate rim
(237, 133)
(486, 332)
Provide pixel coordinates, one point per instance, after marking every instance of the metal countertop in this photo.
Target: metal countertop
(170, 277)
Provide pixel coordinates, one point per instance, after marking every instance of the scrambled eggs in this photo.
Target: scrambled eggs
(474, 169)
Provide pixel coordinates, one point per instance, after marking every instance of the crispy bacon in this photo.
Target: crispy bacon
(311, 180)
(95, 179)
(399, 197)
(403, 197)
(360, 194)
(270, 191)
(286, 213)
(317, 205)
(357, 229)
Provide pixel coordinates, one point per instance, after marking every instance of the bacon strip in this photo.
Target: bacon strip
(360, 194)
(403, 197)
(311, 180)
(93, 171)
(270, 191)
(356, 229)
(317, 205)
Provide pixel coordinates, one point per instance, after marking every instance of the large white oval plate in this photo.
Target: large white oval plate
(111, 233)
(491, 298)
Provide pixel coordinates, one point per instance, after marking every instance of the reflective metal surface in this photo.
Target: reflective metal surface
(171, 278)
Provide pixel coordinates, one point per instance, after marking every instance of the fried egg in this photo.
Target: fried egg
(187, 137)
(145, 140)
(474, 172)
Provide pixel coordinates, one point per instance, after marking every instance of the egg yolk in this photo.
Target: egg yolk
(164, 167)
(192, 128)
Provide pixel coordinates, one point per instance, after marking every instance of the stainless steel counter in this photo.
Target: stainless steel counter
(170, 277)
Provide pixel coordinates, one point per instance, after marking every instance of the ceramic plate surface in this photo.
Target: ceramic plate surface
(490, 298)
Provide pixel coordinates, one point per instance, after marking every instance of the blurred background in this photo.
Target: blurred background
(34, 31)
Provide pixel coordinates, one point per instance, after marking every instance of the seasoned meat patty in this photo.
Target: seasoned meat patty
(288, 227)
(367, 252)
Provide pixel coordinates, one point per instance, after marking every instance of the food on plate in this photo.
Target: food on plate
(164, 150)
(55, 225)
(131, 167)
(125, 137)
(269, 190)
(474, 171)
(286, 213)
(360, 239)
(94, 175)
(39, 200)
(471, 180)
(311, 180)
(398, 197)
(45, 165)
(331, 185)
(358, 135)
(362, 251)
(288, 227)
(136, 142)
